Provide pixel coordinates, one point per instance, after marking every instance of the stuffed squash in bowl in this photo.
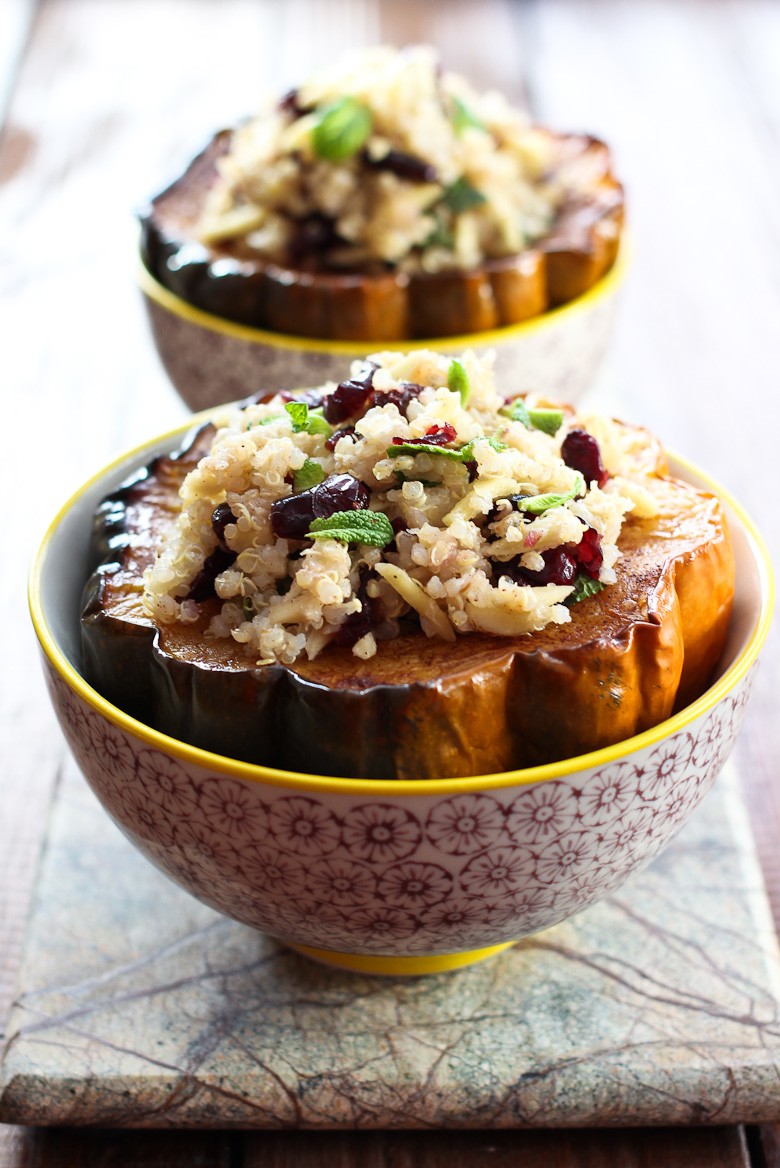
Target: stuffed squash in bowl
(423, 873)
(407, 575)
(384, 200)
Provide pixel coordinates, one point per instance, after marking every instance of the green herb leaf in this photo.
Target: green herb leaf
(318, 424)
(462, 117)
(467, 452)
(342, 128)
(441, 236)
(584, 586)
(299, 416)
(548, 420)
(462, 196)
(423, 448)
(368, 527)
(517, 411)
(463, 453)
(308, 475)
(458, 381)
(536, 504)
(307, 421)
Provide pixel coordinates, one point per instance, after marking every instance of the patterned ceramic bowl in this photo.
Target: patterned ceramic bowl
(211, 360)
(390, 877)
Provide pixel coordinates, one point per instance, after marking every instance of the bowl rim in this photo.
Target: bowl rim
(606, 284)
(335, 784)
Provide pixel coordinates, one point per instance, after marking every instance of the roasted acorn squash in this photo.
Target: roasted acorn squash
(227, 280)
(421, 708)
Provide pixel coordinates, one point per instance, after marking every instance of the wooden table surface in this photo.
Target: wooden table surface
(100, 100)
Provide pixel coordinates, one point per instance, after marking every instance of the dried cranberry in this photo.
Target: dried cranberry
(561, 564)
(202, 587)
(401, 397)
(289, 103)
(349, 397)
(581, 452)
(313, 235)
(404, 166)
(291, 517)
(589, 554)
(220, 518)
(330, 443)
(434, 436)
(357, 624)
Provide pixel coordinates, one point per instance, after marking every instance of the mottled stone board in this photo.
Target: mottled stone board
(139, 1006)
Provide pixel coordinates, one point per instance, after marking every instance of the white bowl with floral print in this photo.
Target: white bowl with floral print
(380, 876)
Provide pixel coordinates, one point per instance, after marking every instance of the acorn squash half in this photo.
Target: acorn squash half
(421, 708)
(230, 281)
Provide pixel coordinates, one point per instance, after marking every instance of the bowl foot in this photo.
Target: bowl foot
(387, 966)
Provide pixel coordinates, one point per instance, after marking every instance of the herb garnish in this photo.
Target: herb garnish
(547, 419)
(463, 118)
(308, 475)
(584, 586)
(307, 421)
(462, 196)
(458, 381)
(343, 127)
(536, 504)
(364, 526)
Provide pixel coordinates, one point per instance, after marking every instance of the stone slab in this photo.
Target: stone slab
(138, 1006)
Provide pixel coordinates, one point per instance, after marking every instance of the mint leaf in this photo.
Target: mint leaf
(299, 416)
(518, 412)
(536, 504)
(548, 420)
(318, 424)
(308, 475)
(544, 418)
(584, 586)
(467, 451)
(463, 453)
(463, 118)
(422, 448)
(458, 381)
(343, 127)
(368, 527)
(307, 421)
(462, 196)
(441, 236)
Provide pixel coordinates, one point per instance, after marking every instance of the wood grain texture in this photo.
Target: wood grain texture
(111, 96)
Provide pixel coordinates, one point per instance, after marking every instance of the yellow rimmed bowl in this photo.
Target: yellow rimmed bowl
(211, 360)
(379, 876)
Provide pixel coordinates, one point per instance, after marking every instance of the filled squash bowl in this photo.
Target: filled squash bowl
(383, 202)
(408, 875)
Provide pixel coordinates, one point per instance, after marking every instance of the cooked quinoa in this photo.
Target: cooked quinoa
(411, 495)
(384, 159)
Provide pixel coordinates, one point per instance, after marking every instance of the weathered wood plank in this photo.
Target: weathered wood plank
(660, 1148)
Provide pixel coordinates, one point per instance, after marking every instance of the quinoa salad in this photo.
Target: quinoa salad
(413, 495)
(385, 160)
